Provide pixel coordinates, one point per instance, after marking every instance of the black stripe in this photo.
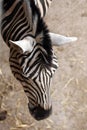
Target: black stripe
(34, 71)
(13, 62)
(36, 89)
(30, 93)
(7, 4)
(15, 67)
(43, 5)
(29, 90)
(8, 19)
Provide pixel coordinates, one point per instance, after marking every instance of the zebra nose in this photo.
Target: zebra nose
(39, 113)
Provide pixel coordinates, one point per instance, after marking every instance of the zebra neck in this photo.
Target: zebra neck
(41, 31)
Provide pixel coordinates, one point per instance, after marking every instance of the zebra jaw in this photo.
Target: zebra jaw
(27, 44)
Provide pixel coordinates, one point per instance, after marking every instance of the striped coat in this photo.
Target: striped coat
(32, 60)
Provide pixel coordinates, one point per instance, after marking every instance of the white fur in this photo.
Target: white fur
(60, 39)
(26, 44)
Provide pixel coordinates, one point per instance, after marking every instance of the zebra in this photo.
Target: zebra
(32, 59)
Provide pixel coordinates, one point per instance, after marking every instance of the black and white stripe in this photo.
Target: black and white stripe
(43, 5)
(20, 19)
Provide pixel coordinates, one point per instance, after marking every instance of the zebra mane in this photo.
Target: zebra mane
(42, 32)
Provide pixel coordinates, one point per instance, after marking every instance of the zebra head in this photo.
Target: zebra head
(37, 64)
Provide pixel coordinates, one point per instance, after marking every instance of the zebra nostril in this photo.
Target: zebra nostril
(39, 113)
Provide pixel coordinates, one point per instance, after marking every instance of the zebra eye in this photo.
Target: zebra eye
(33, 43)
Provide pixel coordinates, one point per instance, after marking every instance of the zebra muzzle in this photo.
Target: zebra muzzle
(40, 113)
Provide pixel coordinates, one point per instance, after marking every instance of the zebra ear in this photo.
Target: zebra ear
(16, 45)
(60, 39)
(25, 44)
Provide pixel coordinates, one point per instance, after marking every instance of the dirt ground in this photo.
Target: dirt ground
(69, 87)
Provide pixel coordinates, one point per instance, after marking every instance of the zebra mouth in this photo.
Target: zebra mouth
(39, 113)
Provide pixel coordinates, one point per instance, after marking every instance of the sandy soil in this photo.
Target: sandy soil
(69, 88)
